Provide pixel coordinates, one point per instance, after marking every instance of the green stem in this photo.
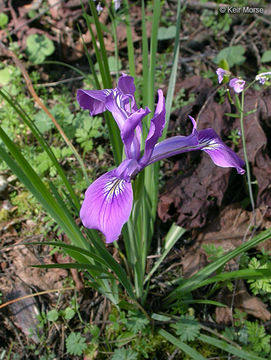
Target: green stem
(245, 151)
(115, 36)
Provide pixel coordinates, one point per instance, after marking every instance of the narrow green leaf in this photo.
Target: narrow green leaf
(160, 317)
(196, 280)
(145, 54)
(43, 144)
(173, 235)
(130, 43)
(207, 302)
(247, 274)
(173, 73)
(181, 345)
(103, 258)
(232, 115)
(229, 348)
(101, 56)
(250, 112)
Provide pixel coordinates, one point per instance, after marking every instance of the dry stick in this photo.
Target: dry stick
(36, 294)
(28, 81)
(236, 41)
(55, 83)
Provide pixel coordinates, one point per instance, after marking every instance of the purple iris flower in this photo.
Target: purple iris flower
(220, 74)
(237, 85)
(109, 199)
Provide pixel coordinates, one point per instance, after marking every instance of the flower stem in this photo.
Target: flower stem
(245, 151)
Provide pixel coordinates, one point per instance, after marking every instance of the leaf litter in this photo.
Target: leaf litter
(198, 199)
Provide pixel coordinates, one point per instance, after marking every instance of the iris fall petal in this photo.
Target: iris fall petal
(107, 205)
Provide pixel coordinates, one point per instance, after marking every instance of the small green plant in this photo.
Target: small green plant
(266, 57)
(260, 286)
(44, 164)
(75, 344)
(124, 354)
(235, 136)
(233, 55)
(181, 99)
(3, 20)
(187, 328)
(218, 24)
(38, 47)
(90, 130)
(165, 33)
(213, 252)
(258, 340)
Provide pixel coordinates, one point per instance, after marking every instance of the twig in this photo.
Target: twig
(172, 356)
(251, 26)
(36, 294)
(60, 82)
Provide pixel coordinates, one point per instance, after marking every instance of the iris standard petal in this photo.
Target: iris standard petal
(156, 129)
(115, 103)
(93, 100)
(107, 205)
(126, 84)
(219, 152)
(130, 140)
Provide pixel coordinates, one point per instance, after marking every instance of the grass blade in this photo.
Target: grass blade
(229, 348)
(130, 43)
(43, 144)
(181, 345)
(173, 73)
(173, 235)
(196, 280)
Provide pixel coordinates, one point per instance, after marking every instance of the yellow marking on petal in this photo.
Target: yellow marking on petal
(113, 187)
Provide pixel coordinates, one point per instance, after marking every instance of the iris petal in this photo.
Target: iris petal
(130, 140)
(107, 205)
(93, 100)
(219, 152)
(156, 129)
(126, 84)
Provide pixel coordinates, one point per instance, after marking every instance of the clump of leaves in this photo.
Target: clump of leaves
(260, 286)
(90, 130)
(250, 334)
(187, 328)
(38, 47)
(133, 331)
(182, 100)
(75, 344)
(218, 24)
(3, 20)
(213, 252)
(235, 136)
(233, 55)
(257, 337)
(124, 354)
(43, 163)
